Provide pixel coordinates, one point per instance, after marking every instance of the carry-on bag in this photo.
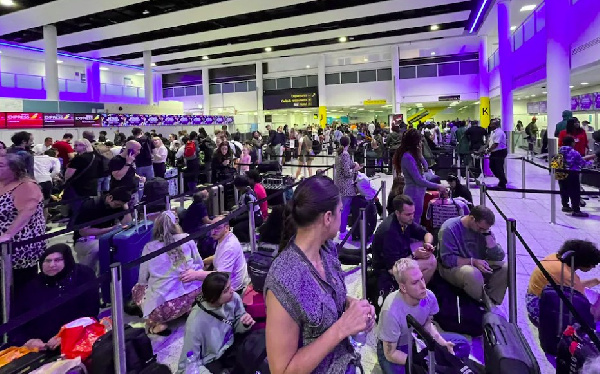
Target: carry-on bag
(254, 303)
(259, 263)
(138, 352)
(127, 246)
(269, 166)
(574, 349)
(251, 356)
(29, 361)
(105, 245)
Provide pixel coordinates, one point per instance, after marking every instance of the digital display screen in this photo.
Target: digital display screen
(574, 103)
(24, 120)
(135, 120)
(586, 101)
(209, 120)
(113, 119)
(184, 120)
(59, 120)
(219, 120)
(170, 120)
(228, 120)
(198, 120)
(88, 120)
(2, 120)
(292, 98)
(153, 120)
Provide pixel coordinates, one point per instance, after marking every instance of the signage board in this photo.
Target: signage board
(374, 102)
(449, 98)
(533, 108)
(88, 120)
(586, 101)
(24, 120)
(209, 120)
(59, 120)
(2, 120)
(198, 120)
(153, 119)
(170, 120)
(291, 98)
(134, 120)
(185, 120)
(113, 119)
(575, 103)
(597, 102)
(543, 107)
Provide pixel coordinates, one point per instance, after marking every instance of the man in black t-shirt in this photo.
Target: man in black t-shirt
(143, 160)
(86, 239)
(477, 137)
(123, 170)
(84, 169)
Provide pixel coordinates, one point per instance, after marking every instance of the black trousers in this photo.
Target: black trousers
(570, 188)
(227, 362)
(497, 159)
(159, 169)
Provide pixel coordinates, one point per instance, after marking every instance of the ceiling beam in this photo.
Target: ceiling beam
(173, 19)
(331, 34)
(57, 11)
(391, 6)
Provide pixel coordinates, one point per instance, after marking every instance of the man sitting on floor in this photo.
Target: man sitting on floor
(392, 241)
(470, 257)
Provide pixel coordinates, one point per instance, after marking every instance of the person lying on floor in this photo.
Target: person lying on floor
(160, 291)
(215, 327)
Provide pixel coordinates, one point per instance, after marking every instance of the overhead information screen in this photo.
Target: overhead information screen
(24, 120)
(291, 98)
(88, 120)
(59, 120)
(2, 120)
(113, 119)
(153, 120)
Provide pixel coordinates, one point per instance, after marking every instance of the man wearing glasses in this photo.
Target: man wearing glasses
(470, 257)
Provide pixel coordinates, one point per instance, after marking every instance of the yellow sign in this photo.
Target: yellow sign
(374, 102)
(323, 116)
(484, 112)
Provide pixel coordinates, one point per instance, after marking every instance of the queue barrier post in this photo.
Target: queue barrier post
(116, 294)
(363, 250)
(383, 200)
(6, 279)
(252, 226)
(459, 162)
(467, 176)
(180, 178)
(236, 195)
(552, 197)
(523, 176)
(482, 197)
(511, 250)
(168, 202)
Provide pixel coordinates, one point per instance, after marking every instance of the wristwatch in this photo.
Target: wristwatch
(128, 165)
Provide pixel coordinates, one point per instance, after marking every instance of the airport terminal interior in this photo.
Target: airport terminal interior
(300, 186)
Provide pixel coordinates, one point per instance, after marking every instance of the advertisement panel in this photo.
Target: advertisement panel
(291, 98)
(209, 120)
(170, 120)
(586, 101)
(24, 120)
(135, 120)
(59, 120)
(153, 119)
(2, 120)
(88, 120)
(229, 120)
(575, 103)
(219, 120)
(113, 119)
(185, 120)
(198, 120)
(597, 101)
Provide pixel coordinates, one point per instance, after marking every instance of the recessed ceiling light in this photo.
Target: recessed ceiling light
(103, 68)
(59, 61)
(544, 92)
(434, 27)
(136, 73)
(584, 83)
(513, 28)
(153, 64)
(342, 39)
(571, 86)
(146, 12)
(532, 95)
(268, 49)
(7, 3)
(205, 57)
(308, 66)
(366, 59)
(433, 53)
(528, 8)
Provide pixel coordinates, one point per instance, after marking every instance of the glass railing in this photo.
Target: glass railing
(107, 89)
(533, 24)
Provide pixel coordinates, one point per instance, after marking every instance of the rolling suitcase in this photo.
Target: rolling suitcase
(127, 246)
(171, 175)
(505, 349)
(221, 196)
(269, 166)
(105, 244)
(213, 204)
(254, 303)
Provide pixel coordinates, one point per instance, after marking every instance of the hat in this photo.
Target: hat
(452, 178)
(121, 194)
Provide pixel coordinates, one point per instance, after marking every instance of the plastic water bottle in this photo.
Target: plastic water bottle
(192, 364)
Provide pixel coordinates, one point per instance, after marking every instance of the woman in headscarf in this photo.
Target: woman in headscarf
(59, 275)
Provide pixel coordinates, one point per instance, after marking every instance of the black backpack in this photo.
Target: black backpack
(138, 352)
(316, 147)
(259, 263)
(156, 191)
(251, 356)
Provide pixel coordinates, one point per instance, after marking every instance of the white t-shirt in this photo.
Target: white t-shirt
(498, 136)
(229, 257)
(40, 149)
(45, 167)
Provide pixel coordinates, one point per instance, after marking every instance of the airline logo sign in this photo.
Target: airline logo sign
(59, 120)
(374, 102)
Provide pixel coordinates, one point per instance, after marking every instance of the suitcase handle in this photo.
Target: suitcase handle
(420, 330)
(490, 336)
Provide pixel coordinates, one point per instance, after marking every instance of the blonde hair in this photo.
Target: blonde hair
(160, 142)
(88, 145)
(165, 229)
(401, 266)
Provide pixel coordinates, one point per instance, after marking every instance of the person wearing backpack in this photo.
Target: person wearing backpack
(143, 161)
(192, 162)
(207, 148)
(570, 186)
(104, 154)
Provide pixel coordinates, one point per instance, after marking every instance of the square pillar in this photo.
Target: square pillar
(148, 78)
(50, 63)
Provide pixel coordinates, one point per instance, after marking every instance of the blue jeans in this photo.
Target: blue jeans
(346, 205)
(103, 184)
(462, 349)
(145, 171)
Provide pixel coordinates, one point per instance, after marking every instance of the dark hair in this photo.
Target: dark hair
(241, 181)
(398, 185)
(586, 253)
(482, 213)
(344, 142)
(254, 175)
(120, 194)
(400, 201)
(3, 145)
(271, 231)
(409, 143)
(88, 135)
(68, 135)
(50, 152)
(568, 141)
(236, 137)
(213, 286)
(108, 143)
(453, 178)
(193, 135)
(174, 136)
(313, 197)
(136, 131)
(202, 133)
(184, 140)
(19, 137)
(103, 133)
(47, 138)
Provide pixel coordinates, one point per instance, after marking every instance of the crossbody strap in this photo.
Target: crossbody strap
(222, 319)
(74, 178)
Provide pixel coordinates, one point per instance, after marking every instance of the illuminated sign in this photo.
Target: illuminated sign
(88, 120)
(292, 98)
(59, 120)
(24, 120)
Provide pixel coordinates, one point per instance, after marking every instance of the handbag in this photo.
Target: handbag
(79, 336)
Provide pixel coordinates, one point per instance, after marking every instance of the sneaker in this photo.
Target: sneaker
(567, 209)
(580, 214)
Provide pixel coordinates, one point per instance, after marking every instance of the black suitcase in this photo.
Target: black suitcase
(370, 164)
(505, 348)
(269, 166)
(359, 202)
(30, 362)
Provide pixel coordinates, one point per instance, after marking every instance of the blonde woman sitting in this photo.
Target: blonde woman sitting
(160, 292)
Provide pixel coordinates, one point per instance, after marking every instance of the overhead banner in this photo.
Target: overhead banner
(291, 98)
(374, 102)
(88, 120)
(484, 111)
(323, 116)
(24, 120)
(59, 120)
(2, 120)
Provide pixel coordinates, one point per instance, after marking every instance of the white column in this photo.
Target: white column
(397, 95)
(321, 78)
(558, 63)
(93, 81)
(259, 96)
(505, 55)
(50, 58)
(158, 88)
(484, 84)
(148, 79)
(205, 91)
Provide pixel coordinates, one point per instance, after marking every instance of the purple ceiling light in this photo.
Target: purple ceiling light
(482, 10)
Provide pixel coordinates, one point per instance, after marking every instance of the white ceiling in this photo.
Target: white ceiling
(490, 26)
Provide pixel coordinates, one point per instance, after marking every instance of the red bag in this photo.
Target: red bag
(79, 336)
(190, 149)
(254, 303)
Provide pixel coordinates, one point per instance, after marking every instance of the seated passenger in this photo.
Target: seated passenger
(59, 276)
(86, 239)
(196, 215)
(587, 257)
(392, 241)
(470, 257)
(397, 188)
(415, 299)
(458, 189)
(229, 258)
(160, 292)
(240, 223)
(214, 327)
(254, 178)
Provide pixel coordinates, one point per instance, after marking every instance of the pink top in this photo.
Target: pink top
(245, 159)
(260, 192)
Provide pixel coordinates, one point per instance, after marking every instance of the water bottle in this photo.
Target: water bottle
(192, 364)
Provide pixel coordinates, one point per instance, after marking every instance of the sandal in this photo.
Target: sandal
(158, 329)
